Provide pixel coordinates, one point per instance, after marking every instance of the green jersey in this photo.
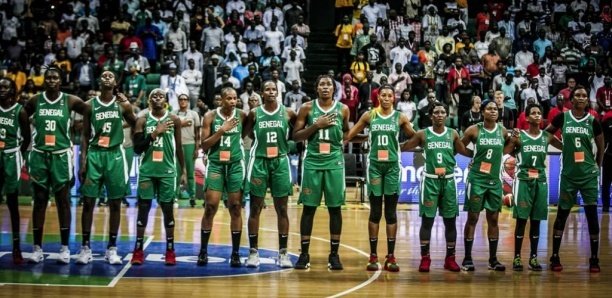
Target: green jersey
(578, 147)
(384, 136)
(229, 149)
(160, 158)
(439, 152)
(488, 154)
(51, 123)
(271, 130)
(531, 157)
(324, 147)
(10, 131)
(106, 124)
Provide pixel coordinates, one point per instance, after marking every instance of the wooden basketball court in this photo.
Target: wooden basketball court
(318, 281)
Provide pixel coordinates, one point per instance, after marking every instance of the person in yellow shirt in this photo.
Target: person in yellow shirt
(359, 68)
(18, 76)
(343, 8)
(344, 43)
(37, 76)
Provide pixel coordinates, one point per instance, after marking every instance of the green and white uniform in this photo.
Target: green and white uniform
(11, 160)
(225, 166)
(530, 188)
(51, 159)
(383, 175)
(438, 186)
(579, 170)
(269, 163)
(484, 188)
(323, 165)
(157, 170)
(106, 159)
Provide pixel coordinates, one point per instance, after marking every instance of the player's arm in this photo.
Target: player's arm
(469, 135)
(208, 139)
(406, 126)
(248, 124)
(418, 139)
(291, 117)
(555, 124)
(85, 135)
(599, 141)
(345, 120)
(179, 147)
(141, 143)
(512, 144)
(196, 133)
(554, 141)
(357, 128)
(460, 147)
(300, 132)
(30, 105)
(76, 104)
(24, 126)
(128, 110)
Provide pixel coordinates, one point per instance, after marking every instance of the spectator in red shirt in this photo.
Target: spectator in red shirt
(571, 84)
(483, 20)
(350, 96)
(533, 69)
(560, 108)
(604, 96)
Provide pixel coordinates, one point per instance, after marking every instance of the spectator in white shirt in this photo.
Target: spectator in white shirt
(193, 80)
(212, 36)
(371, 12)
(237, 5)
(271, 13)
(174, 85)
(247, 94)
(293, 48)
(524, 57)
(74, 45)
(195, 55)
(178, 38)
(400, 54)
(293, 69)
(274, 38)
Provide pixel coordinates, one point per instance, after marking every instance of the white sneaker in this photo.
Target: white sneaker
(253, 260)
(64, 255)
(112, 257)
(283, 259)
(37, 255)
(84, 256)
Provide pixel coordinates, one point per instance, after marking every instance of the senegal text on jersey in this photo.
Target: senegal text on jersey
(51, 112)
(107, 115)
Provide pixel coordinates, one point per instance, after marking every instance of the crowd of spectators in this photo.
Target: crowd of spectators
(513, 52)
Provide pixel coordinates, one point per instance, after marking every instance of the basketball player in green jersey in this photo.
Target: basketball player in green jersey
(222, 139)
(484, 188)
(157, 138)
(530, 188)
(51, 159)
(383, 176)
(438, 186)
(322, 124)
(14, 141)
(269, 167)
(104, 163)
(579, 171)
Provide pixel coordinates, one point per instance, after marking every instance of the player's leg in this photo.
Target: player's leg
(129, 158)
(62, 173)
(90, 190)
(567, 198)
(539, 212)
(310, 197)
(333, 188)
(258, 178)
(473, 205)
(188, 150)
(114, 221)
(9, 183)
(492, 203)
(234, 186)
(375, 187)
(520, 211)
(167, 208)
(38, 165)
(606, 180)
(449, 210)
(146, 193)
(213, 187)
(590, 193)
(281, 188)
(390, 208)
(116, 181)
(428, 205)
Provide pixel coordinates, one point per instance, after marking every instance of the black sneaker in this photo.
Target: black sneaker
(555, 264)
(192, 203)
(534, 265)
(517, 264)
(125, 202)
(333, 262)
(594, 265)
(495, 265)
(202, 259)
(235, 260)
(467, 265)
(303, 261)
(102, 202)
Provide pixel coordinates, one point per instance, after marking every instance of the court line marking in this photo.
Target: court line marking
(128, 265)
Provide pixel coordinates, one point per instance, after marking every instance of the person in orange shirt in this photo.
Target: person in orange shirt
(62, 33)
(344, 43)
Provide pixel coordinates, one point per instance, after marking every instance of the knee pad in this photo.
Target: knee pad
(144, 206)
(592, 220)
(375, 209)
(562, 215)
(391, 209)
(168, 211)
